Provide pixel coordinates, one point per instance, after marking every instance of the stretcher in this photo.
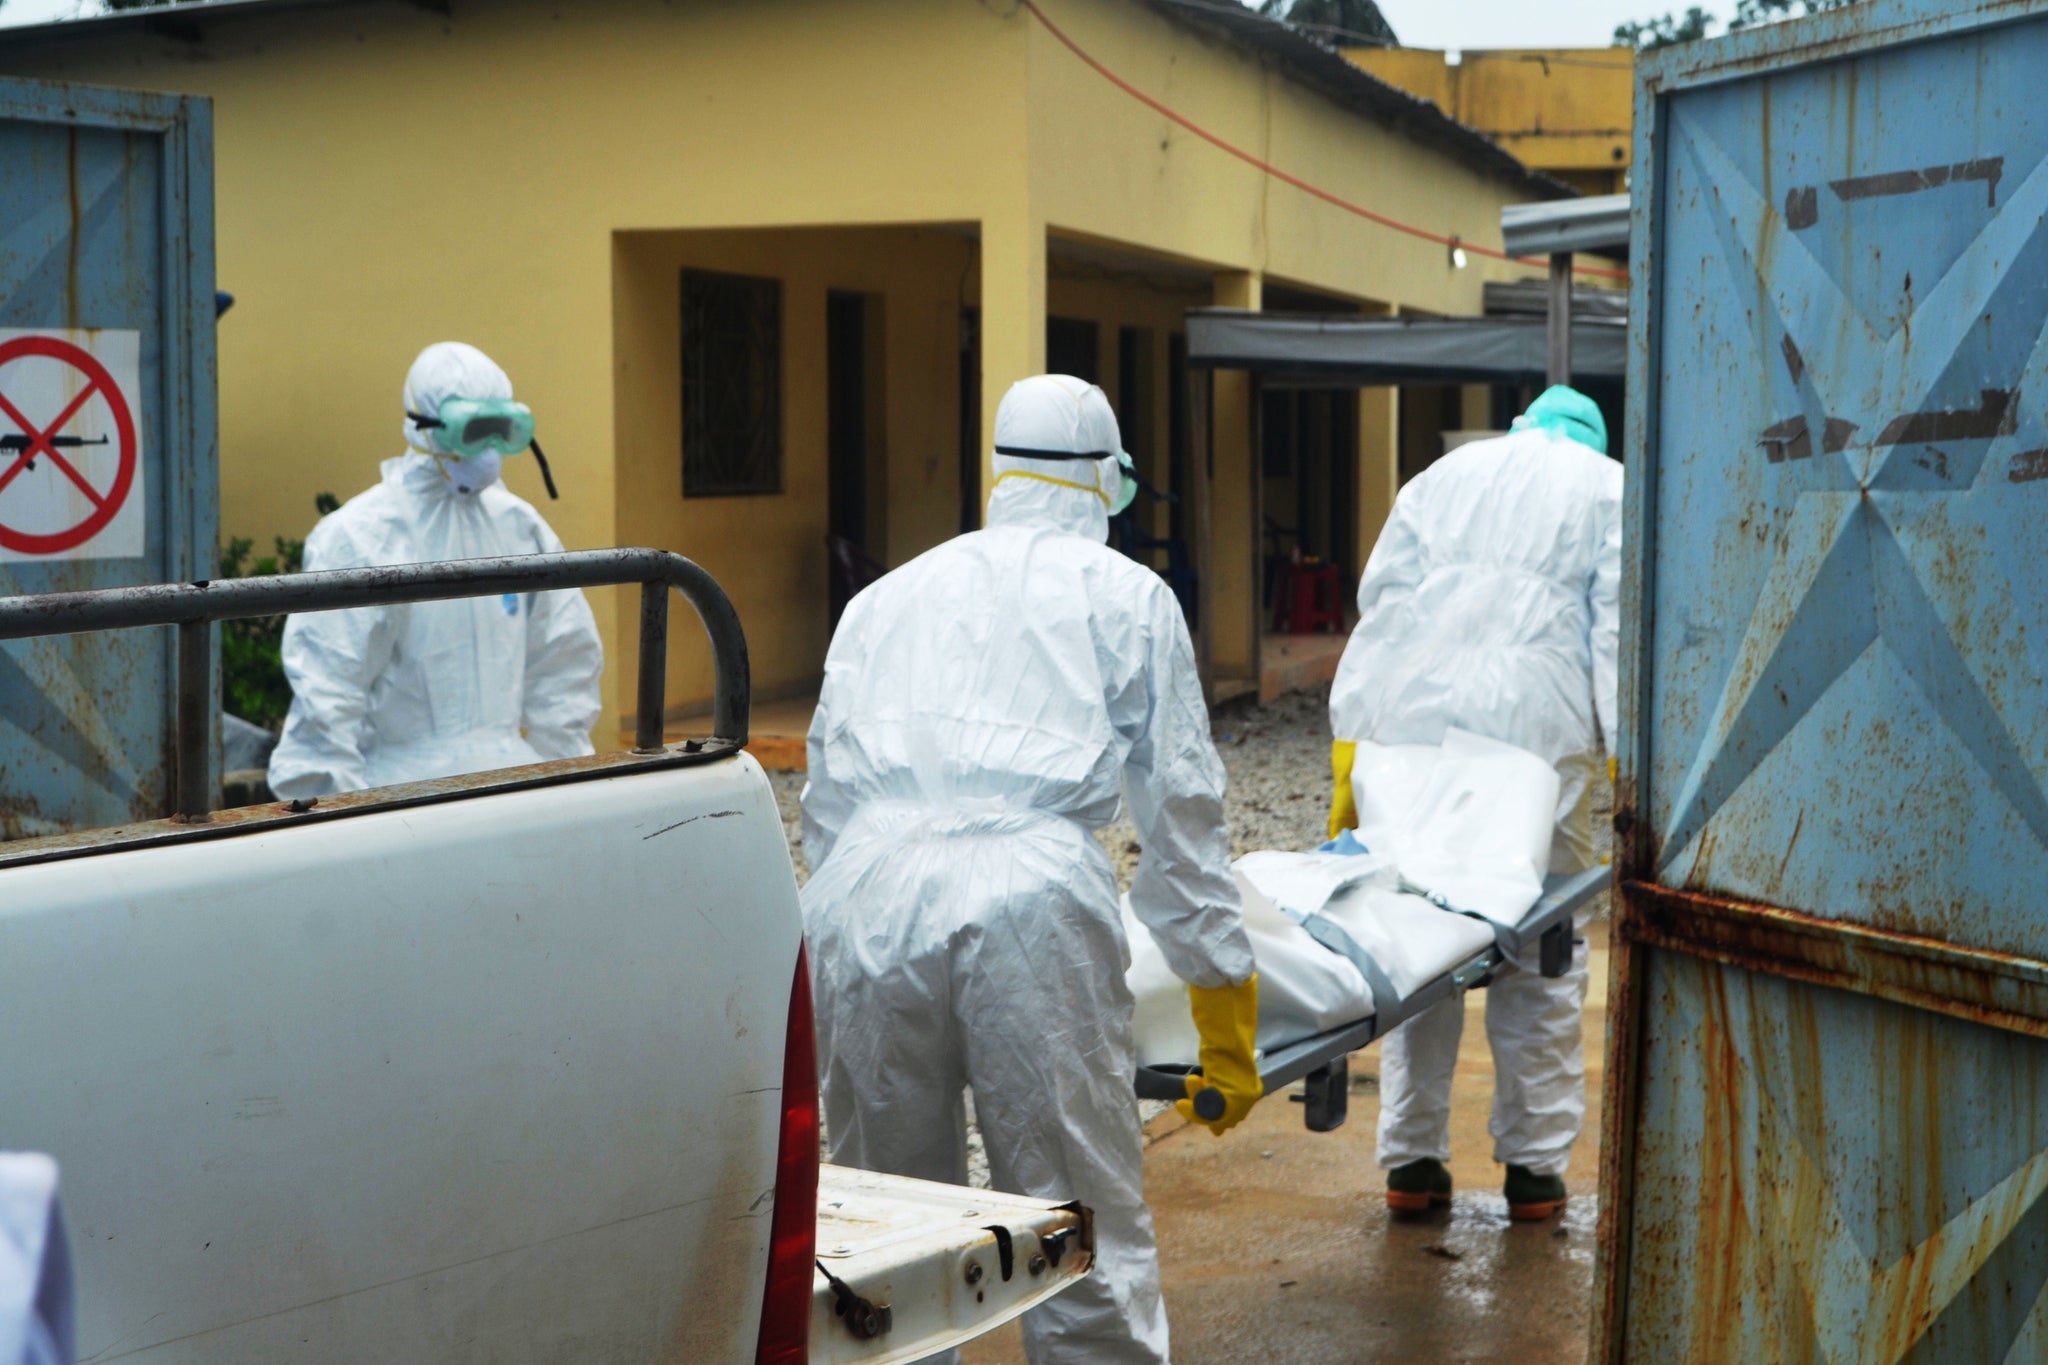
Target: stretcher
(1322, 1061)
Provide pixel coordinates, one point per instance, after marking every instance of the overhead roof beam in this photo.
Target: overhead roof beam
(1325, 350)
(1599, 223)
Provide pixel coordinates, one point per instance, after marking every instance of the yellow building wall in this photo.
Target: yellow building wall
(1105, 166)
(1158, 308)
(1568, 111)
(1421, 71)
(522, 175)
(769, 550)
(388, 177)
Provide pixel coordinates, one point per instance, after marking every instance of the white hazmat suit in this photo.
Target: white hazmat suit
(985, 708)
(390, 694)
(37, 1300)
(1490, 604)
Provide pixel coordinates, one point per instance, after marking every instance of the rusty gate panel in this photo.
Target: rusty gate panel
(107, 228)
(1827, 1138)
(1835, 1178)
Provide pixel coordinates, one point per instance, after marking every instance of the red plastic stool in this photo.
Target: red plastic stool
(1310, 600)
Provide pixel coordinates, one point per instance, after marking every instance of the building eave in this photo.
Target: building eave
(1358, 91)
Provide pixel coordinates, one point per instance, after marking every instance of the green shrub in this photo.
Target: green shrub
(253, 685)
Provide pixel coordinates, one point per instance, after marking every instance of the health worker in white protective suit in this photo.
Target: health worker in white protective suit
(986, 708)
(391, 694)
(1489, 604)
(38, 1304)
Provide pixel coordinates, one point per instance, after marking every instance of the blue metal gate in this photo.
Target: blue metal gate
(1828, 1135)
(106, 249)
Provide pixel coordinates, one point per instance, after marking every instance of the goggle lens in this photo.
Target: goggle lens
(480, 429)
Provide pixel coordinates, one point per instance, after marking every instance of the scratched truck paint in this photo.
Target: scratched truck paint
(1829, 1132)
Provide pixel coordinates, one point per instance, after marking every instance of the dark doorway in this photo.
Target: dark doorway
(1134, 398)
(1073, 346)
(1309, 461)
(853, 446)
(1177, 465)
(970, 420)
(1427, 412)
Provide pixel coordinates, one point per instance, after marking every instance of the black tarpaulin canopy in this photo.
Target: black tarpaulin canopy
(1323, 350)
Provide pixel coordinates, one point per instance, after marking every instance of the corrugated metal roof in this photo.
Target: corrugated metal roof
(1295, 56)
(1353, 88)
(1595, 224)
(183, 20)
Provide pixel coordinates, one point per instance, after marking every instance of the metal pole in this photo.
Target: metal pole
(647, 733)
(195, 737)
(1560, 319)
(1201, 469)
(1256, 497)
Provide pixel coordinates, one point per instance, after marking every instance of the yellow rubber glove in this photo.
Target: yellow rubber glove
(1343, 808)
(1227, 1017)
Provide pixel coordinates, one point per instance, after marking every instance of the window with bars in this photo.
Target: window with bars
(732, 384)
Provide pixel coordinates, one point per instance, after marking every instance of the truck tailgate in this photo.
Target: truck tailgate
(924, 1266)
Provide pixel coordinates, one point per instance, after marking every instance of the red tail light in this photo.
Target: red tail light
(793, 1235)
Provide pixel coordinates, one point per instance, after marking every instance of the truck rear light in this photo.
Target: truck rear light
(793, 1234)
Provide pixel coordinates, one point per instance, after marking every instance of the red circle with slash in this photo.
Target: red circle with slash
(105, 505)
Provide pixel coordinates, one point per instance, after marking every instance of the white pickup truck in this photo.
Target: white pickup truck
(509, 1067)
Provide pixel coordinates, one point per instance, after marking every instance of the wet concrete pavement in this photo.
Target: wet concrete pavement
(1277, 1248)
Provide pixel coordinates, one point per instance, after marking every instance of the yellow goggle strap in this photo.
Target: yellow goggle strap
(1057, 483)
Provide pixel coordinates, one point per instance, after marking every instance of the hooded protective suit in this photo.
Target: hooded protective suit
(382, 695)
(1490, 604)
(986, 707)
(37, 1300)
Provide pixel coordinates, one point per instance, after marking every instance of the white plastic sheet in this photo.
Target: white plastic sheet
(1468, 820)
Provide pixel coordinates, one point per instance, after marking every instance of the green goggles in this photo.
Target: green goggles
(467, 427)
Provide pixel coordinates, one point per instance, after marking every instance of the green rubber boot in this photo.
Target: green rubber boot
(1419, 1186)
(1533, 1197)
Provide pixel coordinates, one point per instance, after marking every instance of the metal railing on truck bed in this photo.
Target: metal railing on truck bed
(193, 608)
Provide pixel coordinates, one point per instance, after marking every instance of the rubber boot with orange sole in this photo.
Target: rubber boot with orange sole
(1418, 1186)
(1532, 1197)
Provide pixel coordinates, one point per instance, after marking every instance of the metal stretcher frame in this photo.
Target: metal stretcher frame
(1322, 1060)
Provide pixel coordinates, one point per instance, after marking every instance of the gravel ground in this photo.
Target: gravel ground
(1277, 760)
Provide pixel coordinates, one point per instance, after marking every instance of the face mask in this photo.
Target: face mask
(474, 433)
(472, 475)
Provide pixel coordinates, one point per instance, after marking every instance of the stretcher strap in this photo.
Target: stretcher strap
(1332, 936)
(1506, 939)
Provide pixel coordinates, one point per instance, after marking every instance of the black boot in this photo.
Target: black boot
(1533, 1197)
(1419, 1186)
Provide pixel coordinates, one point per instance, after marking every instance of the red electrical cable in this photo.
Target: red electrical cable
(1270, 169)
